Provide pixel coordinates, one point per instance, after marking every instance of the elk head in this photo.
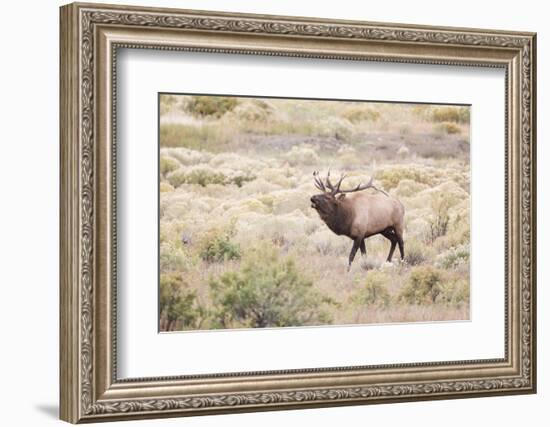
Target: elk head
(326, 203)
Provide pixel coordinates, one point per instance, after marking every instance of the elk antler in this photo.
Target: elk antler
(334, 189)
(318, 183)
(361, 187)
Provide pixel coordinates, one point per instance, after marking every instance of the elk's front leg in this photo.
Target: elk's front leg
(356, 244)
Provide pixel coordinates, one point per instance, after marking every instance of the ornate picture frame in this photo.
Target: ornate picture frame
(90, 37)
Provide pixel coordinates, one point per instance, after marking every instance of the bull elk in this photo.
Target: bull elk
(359, 215)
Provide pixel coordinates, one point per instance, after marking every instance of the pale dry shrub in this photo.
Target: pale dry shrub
(391, 176)
(236, 162)
(179, 204)
(173, 257)
(236, 208)
(286, 201)
(403, 151)
(448, 128)
(302, 155)
(417, 223)
(455, 293)
(292, 226)
(422, 111)
(284, 176)
(165, 187)
(371, 262)
(336, 127)
(172, 230)
(346, 149)
(167, 103)
(454, 257)
(214, 191)
(440, 218)
(252, 110)
(186, 156)
(409, 188)
(259, 188)
(416, 253)
(459, 235)
(325, 242)
(168, 164)
(451, 114)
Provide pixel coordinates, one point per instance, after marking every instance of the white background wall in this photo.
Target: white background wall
(29, 170)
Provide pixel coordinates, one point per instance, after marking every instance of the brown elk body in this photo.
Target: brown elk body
(360, 215)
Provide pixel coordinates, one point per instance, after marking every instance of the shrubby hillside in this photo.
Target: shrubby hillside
(240, 245)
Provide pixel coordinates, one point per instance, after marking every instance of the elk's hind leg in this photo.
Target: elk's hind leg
(399, 235)
(389, 234)
(363, 252)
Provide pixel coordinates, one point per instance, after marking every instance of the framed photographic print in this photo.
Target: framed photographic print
(265, 212)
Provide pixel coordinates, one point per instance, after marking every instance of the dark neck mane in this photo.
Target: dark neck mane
(340, 220)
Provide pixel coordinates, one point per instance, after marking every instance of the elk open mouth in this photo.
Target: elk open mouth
(314, 204)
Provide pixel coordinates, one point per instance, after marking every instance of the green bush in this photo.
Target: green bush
(267, 291)
(451, 114)
(374, 290)
(177, 303)
(423, 286)
(219, 250)
(214, 106)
